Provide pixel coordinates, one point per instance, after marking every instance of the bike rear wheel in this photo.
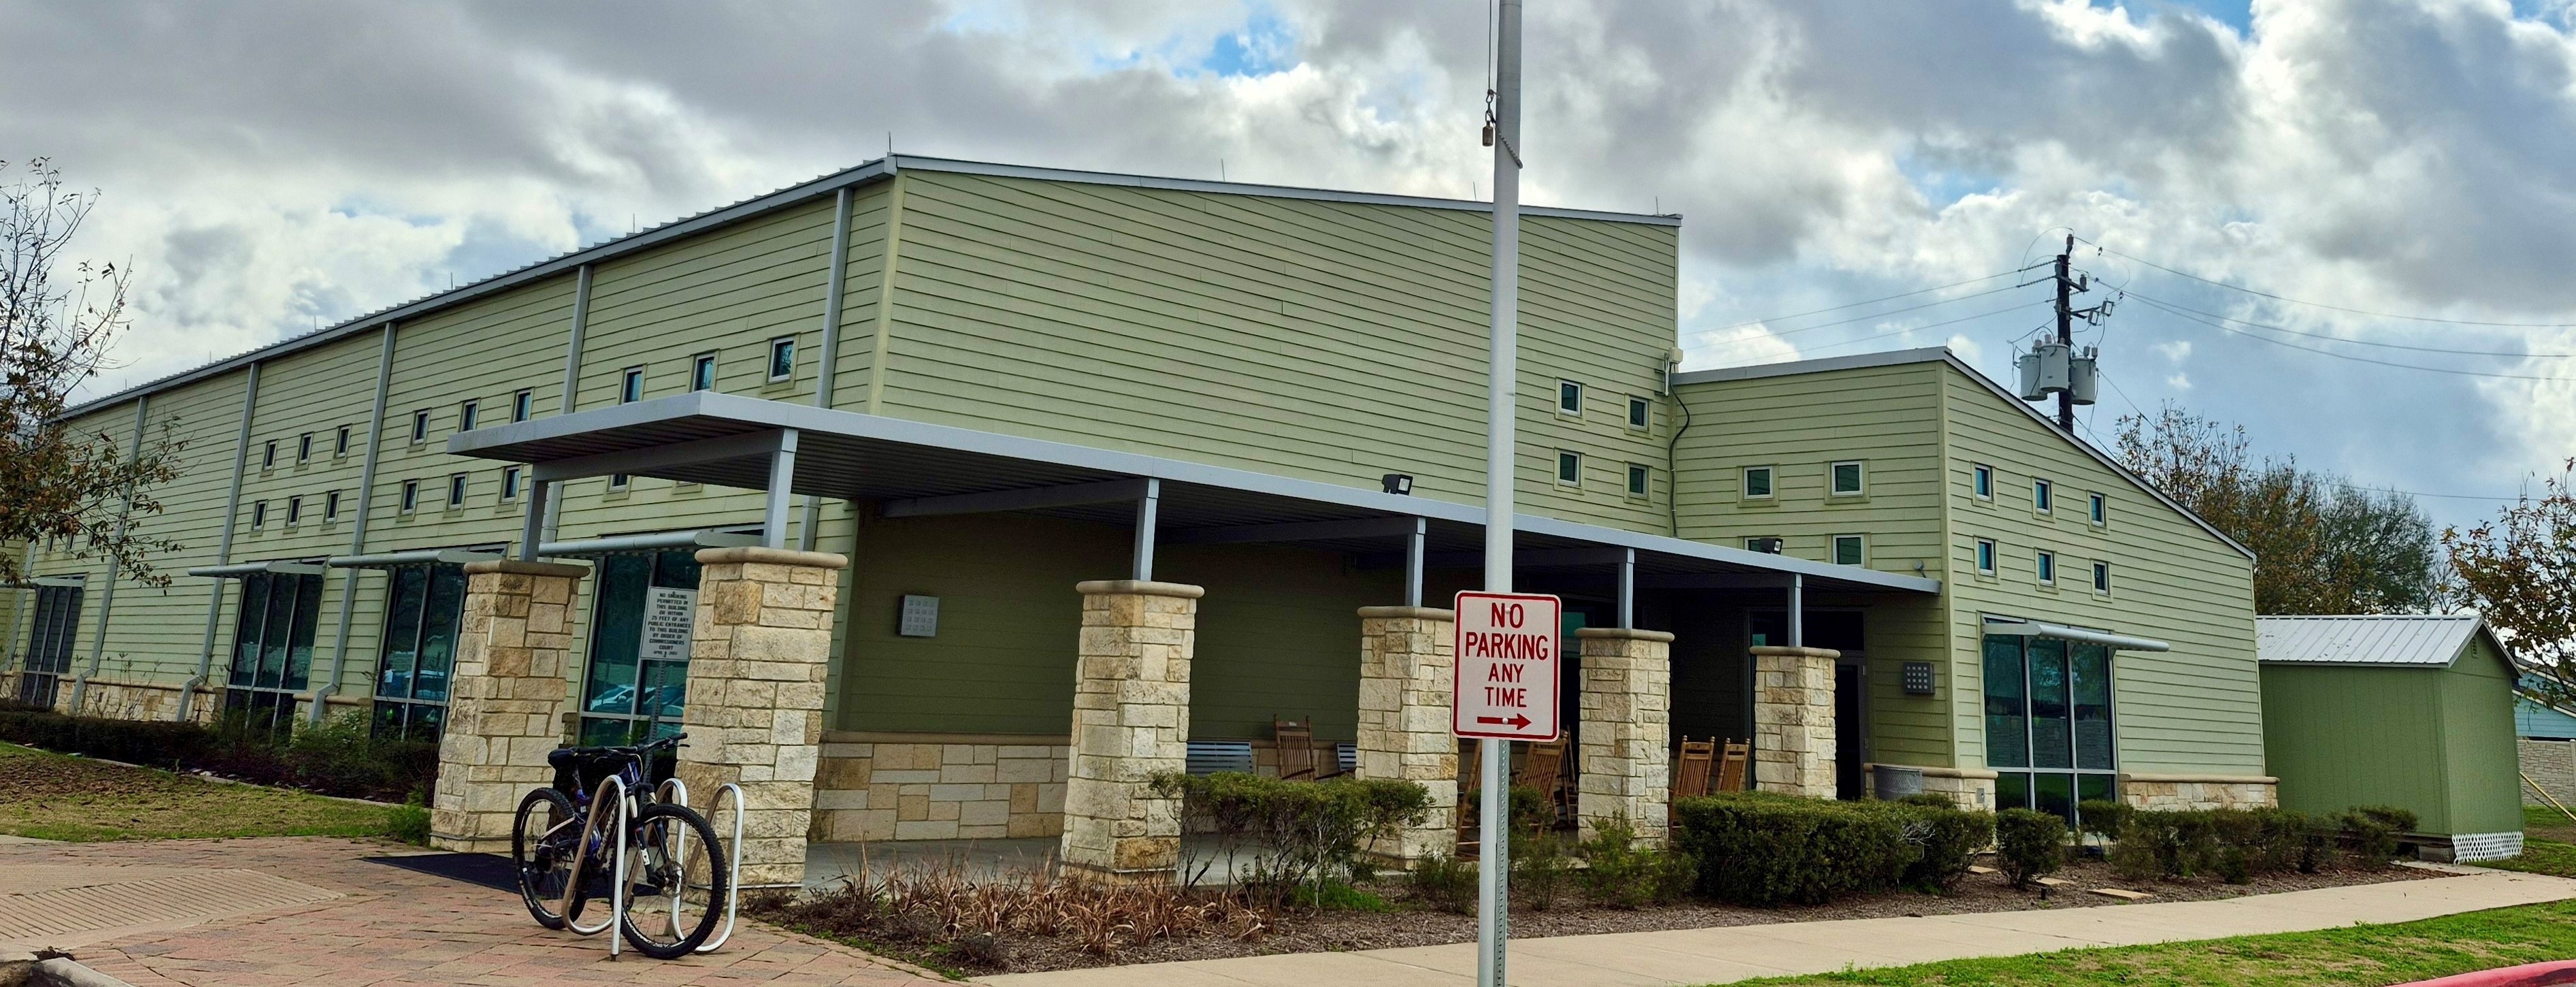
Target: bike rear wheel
(544, 839)
(675, 880)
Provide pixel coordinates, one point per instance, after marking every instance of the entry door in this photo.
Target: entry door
(638, 681)
(1851, 727)
(49, 643)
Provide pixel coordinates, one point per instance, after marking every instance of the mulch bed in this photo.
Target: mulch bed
(1409, 925)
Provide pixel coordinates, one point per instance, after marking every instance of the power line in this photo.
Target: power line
(2222, 327)
(1863, 318)
(1874, 301)
(2338, 308)
(2340, 339)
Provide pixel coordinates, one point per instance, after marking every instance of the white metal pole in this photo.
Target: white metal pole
(1493, 891)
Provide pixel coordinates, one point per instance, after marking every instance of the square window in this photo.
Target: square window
(522, 405)
(2048, 568)
(1757, 482)
(1569, 398)
(2101, 577)
(2097, 508)
(1638, 477)
(1847, 550)
(509, 483)
(330, 507)
(294, 511)
(456, 490)
(702, 372)
(618, 481)
(1640, 414)
(268, 455)
(2043, 495)
(465, 416)
(1848, 479)
(340, 444)
(420, 425)
(782, 358)
(1767, 545)
(258, 514)
(1986, 556)
(630, 386)
(1983, 485)
(410, 496)
(304, 447)
(1569, 468)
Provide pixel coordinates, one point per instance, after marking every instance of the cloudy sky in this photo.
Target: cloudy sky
(2388, 164)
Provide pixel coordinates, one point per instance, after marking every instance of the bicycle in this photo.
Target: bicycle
(666, 873)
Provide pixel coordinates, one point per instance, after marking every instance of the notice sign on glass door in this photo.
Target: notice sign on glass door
(668, 615)
(1507, 666)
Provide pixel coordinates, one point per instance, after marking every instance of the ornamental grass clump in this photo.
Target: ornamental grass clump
(1619, 872)
(941, 911)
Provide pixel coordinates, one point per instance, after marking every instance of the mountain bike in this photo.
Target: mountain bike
(664, 874)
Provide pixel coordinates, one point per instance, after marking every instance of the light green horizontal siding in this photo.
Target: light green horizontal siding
(2480, 758)
(1885, 417)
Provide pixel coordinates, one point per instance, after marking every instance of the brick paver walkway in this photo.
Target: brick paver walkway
(394, 926)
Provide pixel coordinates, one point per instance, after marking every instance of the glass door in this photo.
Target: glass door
(423, 606)
(49, 644)
(637, 683)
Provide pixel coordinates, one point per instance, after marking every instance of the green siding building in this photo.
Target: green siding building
(955, 492)
(2410, 711)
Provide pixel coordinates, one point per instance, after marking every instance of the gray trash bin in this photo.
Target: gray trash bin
(1895, 781)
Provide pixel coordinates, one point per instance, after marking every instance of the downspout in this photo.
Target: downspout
(107, 593)
(833, 287)
(223, 544)
(358, 529)
(1672, 449)
(572, 377)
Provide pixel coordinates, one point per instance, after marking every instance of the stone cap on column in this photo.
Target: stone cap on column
(1777, 651)
(759, 555)
(1625, 634)
(517, 567)
(1408, 613)
(1138, 587)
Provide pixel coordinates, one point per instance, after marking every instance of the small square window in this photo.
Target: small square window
(2048, 568)
(618, 481)
(1569, 398)
(782, 358)
(410, 496)
(522, 406)
(258, 514)
(2101, 577)
(330, 507)
(1849, 480)
(1757, 482)
(2043, 495)
(509, 483)
(1638, 479)
(702, 372)
(340, 443)
(465, 416)
(1847, 550)
(304, 448)
(294, 511)
(1983, 484)
(630, 386)
(1640, 414)
(268, 455)
(420, 425)
(456, 490)
(1569, 468)
(1986, 556)
(1767, 545)
(2097, 508)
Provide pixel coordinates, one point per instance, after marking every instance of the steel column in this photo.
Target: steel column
(572, 375)
(834, 286)
(1797, 611)
(532, 530)
(782, 478)
(1628, 588)
(358, 527)
(1146, 508)
(224, 542)
(1413, 562)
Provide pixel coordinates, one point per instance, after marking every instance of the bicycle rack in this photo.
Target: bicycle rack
(581, 858)
(733, 871)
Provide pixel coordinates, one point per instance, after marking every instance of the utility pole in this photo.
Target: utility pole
(2066, 331)
(1503, 131)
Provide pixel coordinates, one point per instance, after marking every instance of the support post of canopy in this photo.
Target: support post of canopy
(1146, 507)
(782, 478)
(1413, 562)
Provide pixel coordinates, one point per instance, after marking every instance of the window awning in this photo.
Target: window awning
(2033, 628)
(237, 570)
(425, 556)
(43, 581)
(659, 541)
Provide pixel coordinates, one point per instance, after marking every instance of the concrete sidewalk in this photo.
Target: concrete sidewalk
(1701, 956)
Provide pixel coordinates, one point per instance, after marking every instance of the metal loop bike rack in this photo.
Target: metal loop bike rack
(600, 800)
(733, 871)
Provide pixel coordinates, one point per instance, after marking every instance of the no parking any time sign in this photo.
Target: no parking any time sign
(1507, 666)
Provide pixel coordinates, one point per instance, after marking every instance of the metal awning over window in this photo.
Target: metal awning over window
(284, 567)
(659, 541)
(425, 556)
(2033, 628)
(43, 581)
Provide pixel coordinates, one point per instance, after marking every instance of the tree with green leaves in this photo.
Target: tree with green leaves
(2519, 571)
(2321, 545)
(77, 488)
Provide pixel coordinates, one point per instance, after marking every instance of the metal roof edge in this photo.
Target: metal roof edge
(1791, 368)
(964, 167)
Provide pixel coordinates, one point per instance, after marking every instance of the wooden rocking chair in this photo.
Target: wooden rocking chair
(1543, 767)
(1296, 742)
(1692, 772)
(1734, 766)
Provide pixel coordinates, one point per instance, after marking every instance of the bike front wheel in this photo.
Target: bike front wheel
(544, 840)
(675, 881)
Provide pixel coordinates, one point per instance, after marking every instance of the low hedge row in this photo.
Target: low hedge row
(1764, 849)
(338, 757)
(2236, 844)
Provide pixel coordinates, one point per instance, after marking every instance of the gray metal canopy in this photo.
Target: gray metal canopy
(284, 567)
(921, 469)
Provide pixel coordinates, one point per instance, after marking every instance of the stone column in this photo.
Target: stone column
(1131, 721)
(1793, 720)
(506, 698)
(757, 656)
(1406, 671)
(1625, 761)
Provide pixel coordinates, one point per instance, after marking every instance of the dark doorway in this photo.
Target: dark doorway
(1851, 729)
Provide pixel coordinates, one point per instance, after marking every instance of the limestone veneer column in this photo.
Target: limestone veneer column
(1406, 671)
(1131, 722)
(506, 697)
(757, 657)
(1626, 707)
(1793, 720)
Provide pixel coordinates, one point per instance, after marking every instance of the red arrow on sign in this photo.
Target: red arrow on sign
(1518, 721)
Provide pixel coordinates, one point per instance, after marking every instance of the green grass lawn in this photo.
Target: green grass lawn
(58, 797)
(2346, 957)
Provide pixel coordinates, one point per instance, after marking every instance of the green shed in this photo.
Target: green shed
(2414, 711)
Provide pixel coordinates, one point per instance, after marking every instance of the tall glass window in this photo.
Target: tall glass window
(272, 648)
(638, 680)
(2048, 723)
(422, 609)
(49, 644)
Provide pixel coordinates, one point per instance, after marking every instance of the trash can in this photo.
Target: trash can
(1896, 781)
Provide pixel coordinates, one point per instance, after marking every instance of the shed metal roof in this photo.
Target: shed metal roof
(2384, 640)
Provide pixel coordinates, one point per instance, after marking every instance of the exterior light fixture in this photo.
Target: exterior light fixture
(1399, 484)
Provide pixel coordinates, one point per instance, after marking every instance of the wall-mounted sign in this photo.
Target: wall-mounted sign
(669, 614)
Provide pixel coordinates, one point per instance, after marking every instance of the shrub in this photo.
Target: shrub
(1541, 867)
(1948, 837)
(1621, 874)
(1762, 849)
(2030, 845)
(2306, 842)
(1302, 832)
(2104, 818)
(338, 757)
(1445, 882)
(2372, 830)
(409, 822)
